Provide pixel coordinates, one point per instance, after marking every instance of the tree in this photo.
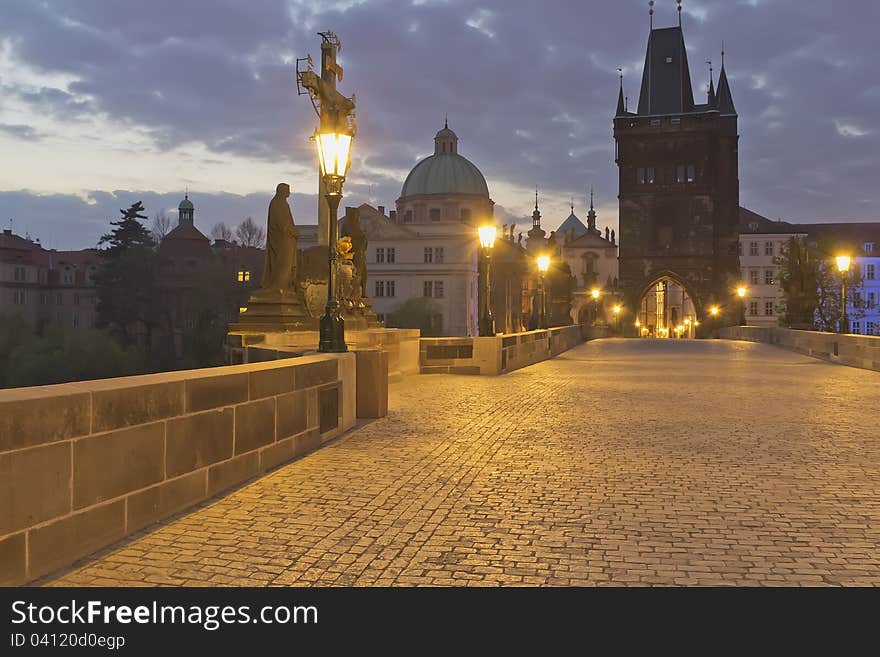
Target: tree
(161, 226)
(127, 281)
(221, 232)
(811, 286)
(250, 234)
(418, 312)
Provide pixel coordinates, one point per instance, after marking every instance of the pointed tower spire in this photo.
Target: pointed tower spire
(679, 12)
(591, 215)
(536, 234)
(724, 97)
(711, 94)
(651, 13)
(621, 104)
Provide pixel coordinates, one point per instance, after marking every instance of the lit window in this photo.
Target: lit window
(244, 276)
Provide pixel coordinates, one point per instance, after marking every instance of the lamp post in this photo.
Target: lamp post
(595, 293)
(487, 241)
(334, 149)
(843, 263)
(617, 308)
(543, 266)
(741, 292)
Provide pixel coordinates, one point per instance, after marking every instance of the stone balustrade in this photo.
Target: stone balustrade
(854, 350)
(496, 354)
(84, 464)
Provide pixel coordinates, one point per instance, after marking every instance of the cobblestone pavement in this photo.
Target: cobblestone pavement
(619, 462)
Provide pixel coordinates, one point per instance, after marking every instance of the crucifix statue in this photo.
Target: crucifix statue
(334, 110)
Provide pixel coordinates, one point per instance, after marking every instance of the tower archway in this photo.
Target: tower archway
(667, 308)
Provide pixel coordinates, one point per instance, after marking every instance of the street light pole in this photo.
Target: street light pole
(741, 292)
(843, 263)
(487, 321)
(333, 152)
(543, 266)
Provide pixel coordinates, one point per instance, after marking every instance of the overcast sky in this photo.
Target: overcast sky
(106, 103)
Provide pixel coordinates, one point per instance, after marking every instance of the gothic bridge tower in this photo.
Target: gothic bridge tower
(678, 184)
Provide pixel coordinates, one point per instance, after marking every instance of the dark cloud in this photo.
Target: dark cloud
(21, 131)
(530, 88)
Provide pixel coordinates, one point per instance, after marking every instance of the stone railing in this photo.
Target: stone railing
(497, 354)
(854, 350)
(84, 464)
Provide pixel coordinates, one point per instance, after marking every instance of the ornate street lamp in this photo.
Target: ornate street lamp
(543, 266)
(334, 150)
(595, 293)
(617, 308)
(487, 241)
(843, 263)
(741, 292)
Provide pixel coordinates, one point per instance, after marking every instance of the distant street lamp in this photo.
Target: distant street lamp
(714, 310)
(334, 150)
(543, 266)
(487, 241)
(843, 263)
(595, 293)
(741, 292)
(617, 308)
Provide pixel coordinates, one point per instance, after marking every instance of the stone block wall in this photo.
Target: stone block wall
(84, 464)
(854, 350)
(497, 354)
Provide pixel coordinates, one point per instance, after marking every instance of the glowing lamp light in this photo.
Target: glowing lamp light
(543, 263)
(638, 323)
(741, 292)
(714, 310)
(595, 292)
(617, 309)
(687, 322)
(487, 236)
(334, 150)
(242, 309)
(843, 263)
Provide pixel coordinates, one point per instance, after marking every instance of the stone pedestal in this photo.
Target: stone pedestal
(274, 312)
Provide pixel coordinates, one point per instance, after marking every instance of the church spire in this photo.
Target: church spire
(591, 215)
(621, 104)
(536, 234)
(724, 97)
(711, 95)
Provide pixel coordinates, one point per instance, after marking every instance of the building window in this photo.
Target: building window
(380, 317)
(768, 277)
(692, 173)
(20, 274)
(392, 255)
(438, 289)
(466, 215)
(429, 255)
(753, 276)
(753, 307)
(870, 272)
(872, 299)
(58, 299)
(68, 277)
(869, 247)
(75, 320)
(389, 289)
(380, 255)
(857, 328)
(244, 276)
(679, 173)
(739, 248)
(857, 299)
(407, 217)
(75, 299)
(434, 214)
(640, 176)
(768, 248)
(871, 328)
(18, 297)
(44, 298)
(380, 289)
(438, 254)
(428, 289)
(768, 307)
(649, 175)
(753, 248)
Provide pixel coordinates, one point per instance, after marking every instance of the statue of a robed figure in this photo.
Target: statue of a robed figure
(279, 272)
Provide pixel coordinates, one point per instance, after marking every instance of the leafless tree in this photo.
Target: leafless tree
(161, 225)
(222, 232)
(250, 234)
